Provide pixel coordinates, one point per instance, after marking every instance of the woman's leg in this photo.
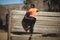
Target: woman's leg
(24, 24)
(32, 25)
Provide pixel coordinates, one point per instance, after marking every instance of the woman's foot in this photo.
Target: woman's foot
(26, 30)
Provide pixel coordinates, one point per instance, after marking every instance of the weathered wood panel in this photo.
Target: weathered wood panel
(33, 37)
(47, 22)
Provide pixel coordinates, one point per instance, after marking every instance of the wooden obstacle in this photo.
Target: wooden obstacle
(47, 22)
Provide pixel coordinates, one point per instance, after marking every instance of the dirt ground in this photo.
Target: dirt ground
(19, 36)
(3, 35)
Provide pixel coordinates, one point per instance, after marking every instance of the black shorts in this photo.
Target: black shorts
(30, 21)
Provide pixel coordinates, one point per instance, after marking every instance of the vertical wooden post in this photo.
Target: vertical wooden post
(9, 27)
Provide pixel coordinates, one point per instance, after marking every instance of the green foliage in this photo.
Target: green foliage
(28, 1)
(26, 4)
(54, 5)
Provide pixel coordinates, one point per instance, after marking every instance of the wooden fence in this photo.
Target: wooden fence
(47, 22)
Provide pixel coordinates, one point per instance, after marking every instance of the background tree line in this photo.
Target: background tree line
(53, 5)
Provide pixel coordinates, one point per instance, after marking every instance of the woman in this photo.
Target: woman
(29, 19)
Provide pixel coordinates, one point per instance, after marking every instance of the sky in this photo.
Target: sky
(4, 2)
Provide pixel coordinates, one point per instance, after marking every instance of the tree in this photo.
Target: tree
(27, 4)
(54, 5)
(28, 1)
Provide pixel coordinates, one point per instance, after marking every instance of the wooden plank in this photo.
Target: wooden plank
(40, 30)
(44, 22)
(49, 14)
(38, 17)
(47, 23)
(48, 18)
(39, 13)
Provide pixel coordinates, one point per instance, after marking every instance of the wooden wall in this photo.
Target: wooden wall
(47, 22)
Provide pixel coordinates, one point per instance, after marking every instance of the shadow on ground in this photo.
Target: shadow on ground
(43, 35)
(51, 35)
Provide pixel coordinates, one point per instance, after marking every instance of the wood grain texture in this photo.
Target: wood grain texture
(47, 22)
